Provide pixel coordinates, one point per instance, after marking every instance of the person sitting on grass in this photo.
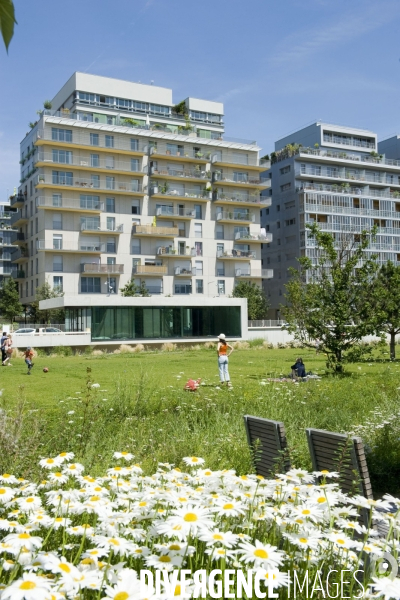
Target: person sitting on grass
(298, 369)
(28, 354)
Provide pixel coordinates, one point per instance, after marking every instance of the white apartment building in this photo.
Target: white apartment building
(118, 182)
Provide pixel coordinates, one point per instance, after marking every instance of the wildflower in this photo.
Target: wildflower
(165, 561)
(6, 494)
(384, 587)
(274, 577)
(16, 541)
(193, 460)
(30, 587)
(261, 554)
(50, 463)
(225, 538)
(96, 385)
(125, 455)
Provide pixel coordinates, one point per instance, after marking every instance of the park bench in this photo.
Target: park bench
(267, 442)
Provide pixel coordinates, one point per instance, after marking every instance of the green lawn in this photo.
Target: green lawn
(140, 406)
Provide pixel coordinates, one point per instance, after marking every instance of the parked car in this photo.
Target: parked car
(26, 331)
(49, 330)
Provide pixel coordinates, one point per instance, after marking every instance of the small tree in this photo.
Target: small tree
(46, 292)
(10, 305)
(257, 303)
(132, 289)
(387, 303)
(332, 301)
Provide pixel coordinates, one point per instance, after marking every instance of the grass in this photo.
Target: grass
(140, 406)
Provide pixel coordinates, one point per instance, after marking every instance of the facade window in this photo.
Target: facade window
(111, 223)
(136, 207)
(37, 266)
(36, 225)
(110, 205)
(290, 222)
(240, 177)
(198, 230)
(26, 289)
(135, 246)
(199, 286)
(95, 181)
(199, 267)
(57, 241)
(94, 139)
(219, 232)
(89, 202)
(90, 285)
(61, 135)
(135, 164)
(110, 183)
(220, 250)
(58, 283)
(286, 187)
(278, 208)
(62, 156)
(285, 170)
(57, 200)
(94, 160)
(198, 246)
(110, 162)
(111, 245)
(221, 287)
(135, 187)
(62, 178)
(58, 263)
(134, 145)
(198, 210)
(57, 221)
(279, 241)
(278, 224)
(31, 228)
(109, 141)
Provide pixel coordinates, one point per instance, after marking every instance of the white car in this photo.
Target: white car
(25, 331)
(49, 330)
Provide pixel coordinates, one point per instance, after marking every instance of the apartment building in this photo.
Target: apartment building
(7, 247)
(117, 182)
(338, 177)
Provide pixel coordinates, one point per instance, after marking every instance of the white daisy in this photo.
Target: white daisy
(29, 586)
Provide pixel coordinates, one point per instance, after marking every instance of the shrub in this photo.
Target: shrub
(138, 348)
(168, 347)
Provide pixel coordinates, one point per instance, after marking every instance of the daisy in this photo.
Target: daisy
(274, 577)
(29, 503)
(261, 555)
(118, 545)
(126, 588)
(165, 561)
(6, 494)
(58, 477)
(384, 587)
(341, 540)
(7, 478)
(229, 508)
(225, 538)
(30, 587)
(16, 541)
(221, 553)
(50, 463)
(190, 518)
(193, 460)
(65, 456)
(73, 469)
(305, 539)
(125, 455)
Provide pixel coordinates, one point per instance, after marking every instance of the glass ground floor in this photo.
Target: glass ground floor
(136, 323)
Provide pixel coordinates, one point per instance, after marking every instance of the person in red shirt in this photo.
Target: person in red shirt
(28, 358)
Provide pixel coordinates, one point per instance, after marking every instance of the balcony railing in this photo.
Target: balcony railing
(88, 162)
(170, 211)
(150, 270)
(18, 274)
(178, 192)
(97, 268)
(264, 201)
(218, 177)
(180, 151)
(21, 254)
(349, 210)
(349, 141)
(69, 203)
(181, 174)
(58, 245)
(235, 254)
(185, 271)
(366, 158)
(155, 231)
(234, 158)
(250, 273)
(170, 251)
(266, 238)
(239, 216)
(120, 141)
(102, 229)
(17, 200)
(67, 180)
(348, 190)
(340, 174)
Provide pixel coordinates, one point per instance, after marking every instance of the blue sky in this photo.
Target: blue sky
(277, 66)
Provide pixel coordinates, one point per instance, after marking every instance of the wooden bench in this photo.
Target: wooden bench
(267, 442)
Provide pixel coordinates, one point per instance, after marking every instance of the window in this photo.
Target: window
(26, 289)
(285, 170)
(36, 225)
(278, 208)
(62, 178)
(37, 266)
(290, 222)
(94, 160)
(135, 164)
(134, 145)
(135, 246)
(220, 250)
(136, 207)
(111, 260)
(31, 229)
(90, 223)
(57, 200)
(58, 263)
(278, 224)
(95, 181)
(286, 187)
(110, 205)
(90, 285)
(61, 135)
(109, 162)
(62, 156)
(111, 245)
(94, 139)
(57, 241)
(32, 287)
(219, 232)
(279, 242)
(199, 286)
(89, 202)
(58, 283)
(198, 246)
(111, 223)
(135, 187)
(240, 177)
(199, 267)
(109, 141)
(110, 183)
(57, 221)
(198, 211)
(198, 230)
(221, 287)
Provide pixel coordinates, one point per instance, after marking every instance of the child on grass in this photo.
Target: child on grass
(28, 358)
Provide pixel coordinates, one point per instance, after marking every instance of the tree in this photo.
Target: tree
(332, 300)
(387, 303)
(257, 304)
(55, 315)
(133, 289)
(10, 305)
(7, 21)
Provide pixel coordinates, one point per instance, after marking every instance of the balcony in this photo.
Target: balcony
(168, 212)
(90, 228)
(235, 255)
(360, 158)
(235, 217)
(251, 274)
(348, 141)
(18, 274)
(181, 193)
(17, 201)
(21, 255)
(348, 190)
(229, 180)
(20, 239)
(329, 173)
(233, 199)
(72, 247)
(170, 252)
(349, 210)
(180, 152)
(86, 205)
(82, 139)
(150, 270)
(98, 268)
(184, 271)
(196, 174)
(87, 163)
(20, 220)
(79, 184)
(234, 159)
(155, 231)
(263, 238)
